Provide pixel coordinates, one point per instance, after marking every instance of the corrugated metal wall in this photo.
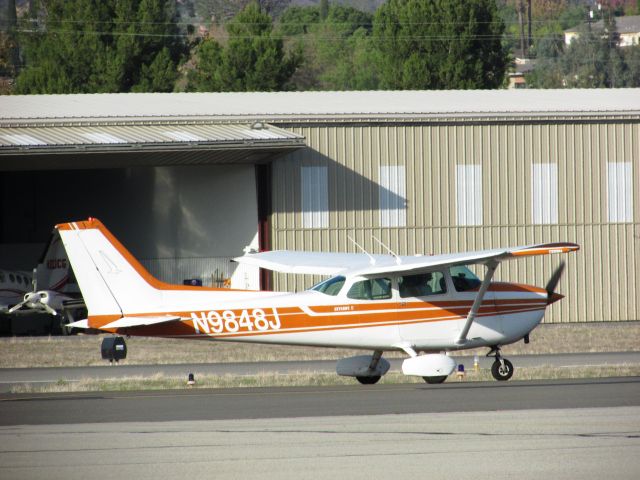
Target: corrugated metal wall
(212, 271)
(600, 281)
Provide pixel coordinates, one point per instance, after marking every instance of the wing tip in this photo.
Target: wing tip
(546, 249)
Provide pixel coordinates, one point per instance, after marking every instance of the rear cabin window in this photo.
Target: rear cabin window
(374, 289)
(330, 287)
(464, 279)
(422, 285)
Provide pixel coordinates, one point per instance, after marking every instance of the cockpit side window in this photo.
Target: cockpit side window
(463, 278)
(330, 287)
(373, 289)
(422, 285)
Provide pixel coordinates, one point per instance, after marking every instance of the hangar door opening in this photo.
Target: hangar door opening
(181, 222)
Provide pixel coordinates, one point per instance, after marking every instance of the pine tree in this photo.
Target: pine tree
(439, 44)
(252, 60)
(92, 46)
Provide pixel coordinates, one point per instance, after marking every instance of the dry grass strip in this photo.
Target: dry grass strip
(84, 350)
(300, 379)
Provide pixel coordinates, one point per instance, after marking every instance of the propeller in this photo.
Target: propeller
(36, 301)
(553, 283)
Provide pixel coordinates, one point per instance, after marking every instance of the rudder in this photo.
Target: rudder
(111, 280)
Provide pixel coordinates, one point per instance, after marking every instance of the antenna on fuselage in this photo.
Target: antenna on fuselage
(372, 260)
(391, 252)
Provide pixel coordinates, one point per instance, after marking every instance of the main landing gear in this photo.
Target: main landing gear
(502, 369)
(368, 380)
(372, 379)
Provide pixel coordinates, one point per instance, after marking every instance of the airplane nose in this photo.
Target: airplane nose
(554, 297)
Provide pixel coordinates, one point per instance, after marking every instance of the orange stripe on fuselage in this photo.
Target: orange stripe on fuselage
(295, 319)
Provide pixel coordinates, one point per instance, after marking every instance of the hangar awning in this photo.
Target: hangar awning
(41, 147)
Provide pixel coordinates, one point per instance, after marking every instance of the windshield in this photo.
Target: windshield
(463, 278)
(330, 287)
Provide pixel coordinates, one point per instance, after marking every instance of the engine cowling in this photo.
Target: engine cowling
(430, 365)
(358, 366)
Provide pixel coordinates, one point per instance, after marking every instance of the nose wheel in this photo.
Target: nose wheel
(502, 369)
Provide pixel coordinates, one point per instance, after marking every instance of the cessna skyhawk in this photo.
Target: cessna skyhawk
(425, 306)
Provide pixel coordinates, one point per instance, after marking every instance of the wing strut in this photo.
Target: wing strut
(491, 268)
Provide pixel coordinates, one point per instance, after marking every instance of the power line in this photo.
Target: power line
(273, 34)
(278, 23)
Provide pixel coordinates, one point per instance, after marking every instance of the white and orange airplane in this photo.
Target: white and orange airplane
(425, 306)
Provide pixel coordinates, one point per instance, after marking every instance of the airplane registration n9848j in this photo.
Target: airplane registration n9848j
(425, 306)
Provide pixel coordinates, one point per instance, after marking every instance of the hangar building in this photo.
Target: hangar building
(188, 180)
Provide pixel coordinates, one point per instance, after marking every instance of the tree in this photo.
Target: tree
(90, 46)
(9, 54)
(631, 74)
(223, 10)
(324, 9)
(337, 50)
(252, 60)
(439, 44)
(348, 63)
(350, 19)
(593, 60)
(298, 20)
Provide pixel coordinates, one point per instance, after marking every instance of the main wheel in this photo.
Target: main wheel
(368, 380)
(501, 372)
(433, 380)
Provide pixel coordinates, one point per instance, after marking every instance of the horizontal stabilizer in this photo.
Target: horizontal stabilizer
(128, 322)
(79, 324)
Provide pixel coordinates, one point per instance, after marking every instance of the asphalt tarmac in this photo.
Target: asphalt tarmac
(16, 376)
(246, 403)
(587, 429)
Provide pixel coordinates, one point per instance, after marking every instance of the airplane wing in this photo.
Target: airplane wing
(362, 264)
(317, 263)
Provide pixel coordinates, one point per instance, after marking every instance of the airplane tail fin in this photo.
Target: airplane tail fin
(113, 283)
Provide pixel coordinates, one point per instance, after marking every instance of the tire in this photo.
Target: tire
(368, 380)
(500, 373)
(434, 380)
